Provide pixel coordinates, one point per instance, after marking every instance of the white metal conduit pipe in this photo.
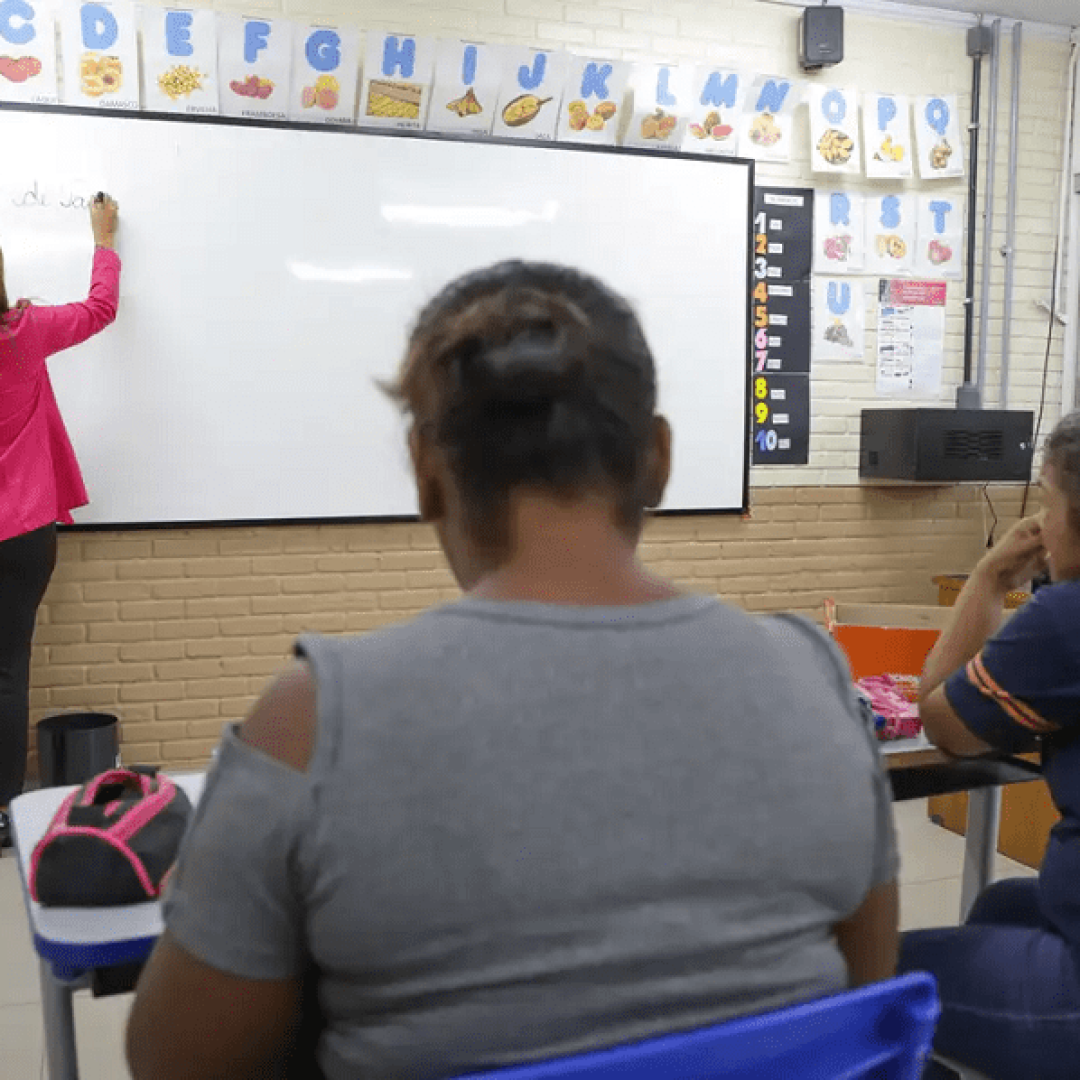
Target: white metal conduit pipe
(1070, 246)
(1009, 250)
(988, 212)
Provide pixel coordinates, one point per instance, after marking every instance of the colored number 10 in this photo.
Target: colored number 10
(766, 440)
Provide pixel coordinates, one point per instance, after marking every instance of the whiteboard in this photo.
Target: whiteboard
(272, 273)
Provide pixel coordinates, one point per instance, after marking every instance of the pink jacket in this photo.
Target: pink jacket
(40, 481)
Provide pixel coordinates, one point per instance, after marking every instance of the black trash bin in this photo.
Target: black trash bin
(74, 747)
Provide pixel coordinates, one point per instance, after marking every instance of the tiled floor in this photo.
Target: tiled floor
(930, 896)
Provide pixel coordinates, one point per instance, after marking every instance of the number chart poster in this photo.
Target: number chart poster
(780, 304)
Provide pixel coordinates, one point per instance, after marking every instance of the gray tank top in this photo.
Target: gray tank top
(532, 830)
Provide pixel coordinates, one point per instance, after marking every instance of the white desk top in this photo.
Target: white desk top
(56, 927)
(75, 932)
(901, 746)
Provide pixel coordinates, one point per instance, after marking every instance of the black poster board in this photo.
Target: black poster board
(780, 291)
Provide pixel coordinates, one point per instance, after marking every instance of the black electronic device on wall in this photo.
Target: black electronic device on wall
(821, 37)
(945, 446)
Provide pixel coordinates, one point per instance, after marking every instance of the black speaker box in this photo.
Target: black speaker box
(821, 37)
(946, 446)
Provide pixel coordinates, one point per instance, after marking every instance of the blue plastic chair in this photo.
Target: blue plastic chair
(878, 1032)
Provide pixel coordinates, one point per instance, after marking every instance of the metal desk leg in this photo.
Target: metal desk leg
(983, 821)
(57, 1006)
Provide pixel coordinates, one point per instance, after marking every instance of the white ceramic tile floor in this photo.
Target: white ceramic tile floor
(929, 896)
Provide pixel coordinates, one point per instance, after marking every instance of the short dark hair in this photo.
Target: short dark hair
(533, 375)
(1063, 453)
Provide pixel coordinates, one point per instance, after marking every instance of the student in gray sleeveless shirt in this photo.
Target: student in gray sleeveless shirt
(574, 809)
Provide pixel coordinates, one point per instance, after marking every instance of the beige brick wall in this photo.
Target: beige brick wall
(178, 631)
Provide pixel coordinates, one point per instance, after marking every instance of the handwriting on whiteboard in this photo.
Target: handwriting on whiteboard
(38, 196)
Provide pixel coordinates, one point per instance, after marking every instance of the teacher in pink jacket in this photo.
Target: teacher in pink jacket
(40, 481)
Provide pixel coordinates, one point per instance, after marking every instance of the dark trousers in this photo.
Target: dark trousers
(26, 565)
(1009, 986)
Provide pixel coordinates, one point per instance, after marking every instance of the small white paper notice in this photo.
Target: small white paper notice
(911, 337)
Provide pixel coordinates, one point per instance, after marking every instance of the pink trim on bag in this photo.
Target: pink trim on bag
(84, 830)
(55, 826)
(117, 776)
(162, 793)
(59, 820)
(143, 812)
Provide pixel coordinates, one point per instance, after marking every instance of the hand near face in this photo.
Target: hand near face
(1018, 557)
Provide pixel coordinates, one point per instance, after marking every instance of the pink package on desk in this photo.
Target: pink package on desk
(894, 701)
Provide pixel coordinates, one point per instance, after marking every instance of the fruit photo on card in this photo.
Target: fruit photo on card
(325, 94)
(19, 69)
(253, 87)
(712, 127)
(100, 74)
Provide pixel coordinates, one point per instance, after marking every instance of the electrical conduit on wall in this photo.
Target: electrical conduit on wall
(1071, 180)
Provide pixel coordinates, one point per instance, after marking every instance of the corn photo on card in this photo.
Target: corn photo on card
(28, 53)
(398, 73)
(326, 71)
(101, 55)
(180, 60)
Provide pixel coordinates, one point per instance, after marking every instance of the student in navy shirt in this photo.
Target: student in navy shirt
(1009, 979)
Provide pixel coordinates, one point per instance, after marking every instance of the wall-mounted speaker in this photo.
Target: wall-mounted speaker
(821, 37)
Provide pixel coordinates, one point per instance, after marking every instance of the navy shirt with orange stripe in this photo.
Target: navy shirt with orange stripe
(1022, 693)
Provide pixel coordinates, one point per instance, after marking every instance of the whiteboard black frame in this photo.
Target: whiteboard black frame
(356, 129)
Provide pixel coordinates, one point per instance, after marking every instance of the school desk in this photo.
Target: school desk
(75, 944)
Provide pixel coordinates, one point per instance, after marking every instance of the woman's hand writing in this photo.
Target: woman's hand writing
(104, 219)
